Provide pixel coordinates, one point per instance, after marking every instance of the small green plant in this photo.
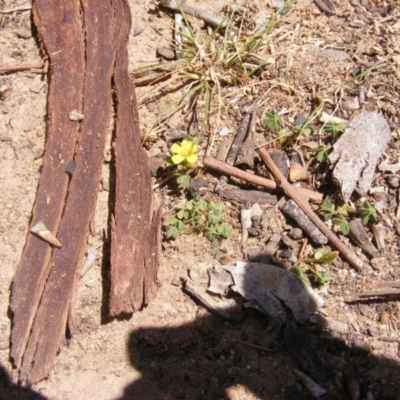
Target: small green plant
(272, 121)
(368, 213)
(336, 214)
(340, 214)
(334, 130)
(310, 267)
(183, 158)
(323, 153)
(199, 216)
(208, 61)
(285, 136)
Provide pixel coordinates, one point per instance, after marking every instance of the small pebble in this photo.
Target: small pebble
(286, 253)
(380, 196)
(361, 348)
(105, 183)
(166, 53)
(383, 317)
(393, 181)
(253, 231)
(23, 33)
(296, 233)
(352, 103)
(16, 54)
(299, 120)
(70, 168)
(197, 187)
(138, 30)
(74, 115)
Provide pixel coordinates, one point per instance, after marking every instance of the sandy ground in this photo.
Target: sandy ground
(174, 349)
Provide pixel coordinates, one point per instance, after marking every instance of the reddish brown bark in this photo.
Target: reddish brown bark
(51, 317)
(65, 50)
(83, 54)
(135, 231)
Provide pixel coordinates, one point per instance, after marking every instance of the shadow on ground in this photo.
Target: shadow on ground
(9, 391)
(209, 360)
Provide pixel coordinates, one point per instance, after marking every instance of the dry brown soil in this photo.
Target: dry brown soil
(174, 348)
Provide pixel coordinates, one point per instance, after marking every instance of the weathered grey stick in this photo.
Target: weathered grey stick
(292, 210)
(179, 6)
(234, 150)
(359, 236)
(247, 151)
(177, 35)
(239, 139)
(226, 309)
(291, 191)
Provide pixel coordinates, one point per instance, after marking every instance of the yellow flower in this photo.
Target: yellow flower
(184, 152)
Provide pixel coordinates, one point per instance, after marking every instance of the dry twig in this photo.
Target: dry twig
(12, 10)
(178, 6)
(226, 169)
(293, 193)
(21, 67)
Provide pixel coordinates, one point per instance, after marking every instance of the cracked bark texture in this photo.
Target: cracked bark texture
(86, 42)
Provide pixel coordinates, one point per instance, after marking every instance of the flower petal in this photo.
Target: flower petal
(177, 159)
(192, 159)
(195, 148)
(176, 148)
(186, 144)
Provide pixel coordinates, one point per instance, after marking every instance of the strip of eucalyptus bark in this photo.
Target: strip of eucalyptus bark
(62, 41)
(48, 329)
(135, 229)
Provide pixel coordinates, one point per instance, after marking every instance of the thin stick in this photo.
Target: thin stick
(179, 6)
(239, 138)
(255, 346)
(11, 10)
(226, 169)
(177, 35)
(305, 207)
(20, 67)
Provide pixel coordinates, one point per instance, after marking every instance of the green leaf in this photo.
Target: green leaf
(272, 121)
(323, 153)
(180, 206)
(183, 180)
(172, 232)
(297, 270)
(284, 137)
(334, 130)
(223, 231)
(343, 225)
(343, 210)
(324, 256)
(180, 225)
(169, 161)
(172, 221)
(322, 277)
(304, 130)
(327, 209)
(368, 213)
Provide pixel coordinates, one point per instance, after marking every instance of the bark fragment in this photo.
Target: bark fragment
(59, 25)
(135, 234)
(51, 317)
(83, 54)
(357, 152)
(292, 210)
